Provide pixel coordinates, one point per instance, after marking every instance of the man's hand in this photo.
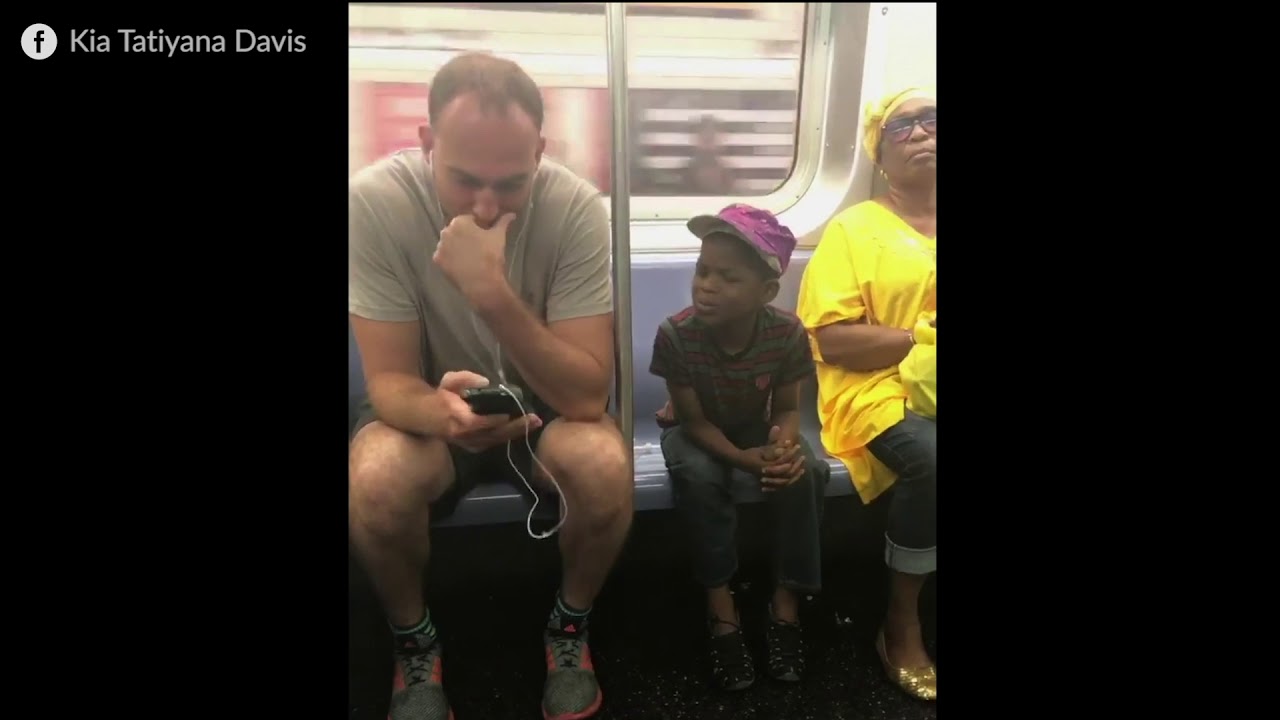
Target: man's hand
(471, 257)
(458, 418)
(477, 433)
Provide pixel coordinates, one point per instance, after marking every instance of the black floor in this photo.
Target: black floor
(490, 590)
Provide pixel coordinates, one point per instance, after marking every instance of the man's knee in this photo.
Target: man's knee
(592, 467)
(394, 477)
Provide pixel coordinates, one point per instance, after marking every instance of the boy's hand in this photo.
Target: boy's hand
(757, 460)
(787, 462)
(777, 464)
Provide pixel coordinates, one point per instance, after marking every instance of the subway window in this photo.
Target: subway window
(714, 87)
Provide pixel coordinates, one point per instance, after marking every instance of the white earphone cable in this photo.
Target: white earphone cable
(496, 356)
(564, 505)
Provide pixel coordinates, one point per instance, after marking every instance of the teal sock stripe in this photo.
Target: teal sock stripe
(564, 609)
(420, 627)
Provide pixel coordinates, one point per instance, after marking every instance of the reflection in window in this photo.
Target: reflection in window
(714, 87)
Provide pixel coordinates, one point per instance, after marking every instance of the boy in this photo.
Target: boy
(733, 366)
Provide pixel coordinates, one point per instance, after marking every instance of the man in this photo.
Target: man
(474, 261)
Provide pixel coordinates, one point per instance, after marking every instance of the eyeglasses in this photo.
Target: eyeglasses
(899, 130)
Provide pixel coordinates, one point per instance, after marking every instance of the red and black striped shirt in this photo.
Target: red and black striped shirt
(733, 390)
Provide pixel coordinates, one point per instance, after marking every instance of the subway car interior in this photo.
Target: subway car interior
(683, 108)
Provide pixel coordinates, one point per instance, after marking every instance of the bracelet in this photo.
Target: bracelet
(911, 335)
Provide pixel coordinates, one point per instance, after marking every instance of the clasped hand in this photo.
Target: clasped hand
(471, 256)
(469, 431)
(779, 463)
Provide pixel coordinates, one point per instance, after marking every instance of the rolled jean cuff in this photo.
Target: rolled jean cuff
(912, 561)
(720, 577)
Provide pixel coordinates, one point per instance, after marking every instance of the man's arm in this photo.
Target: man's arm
(408, 403)
(389, 355)
(569, 362)
(385, 324)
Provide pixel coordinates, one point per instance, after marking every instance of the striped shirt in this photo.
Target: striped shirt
(733, 390)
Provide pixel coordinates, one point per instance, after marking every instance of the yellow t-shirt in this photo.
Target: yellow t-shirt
(869, 264)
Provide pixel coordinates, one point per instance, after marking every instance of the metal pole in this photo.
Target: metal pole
(620, 195)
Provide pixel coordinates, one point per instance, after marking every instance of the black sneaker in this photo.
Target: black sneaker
(731, 665)
(786, 650)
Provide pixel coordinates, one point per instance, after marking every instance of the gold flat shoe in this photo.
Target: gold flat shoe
(921, 683)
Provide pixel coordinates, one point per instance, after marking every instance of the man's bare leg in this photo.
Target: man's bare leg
(588, 461)
(393, 479)
(592, 468)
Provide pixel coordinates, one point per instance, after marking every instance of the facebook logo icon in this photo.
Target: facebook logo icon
(39, 41)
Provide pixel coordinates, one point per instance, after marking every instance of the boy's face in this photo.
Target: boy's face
(729, 283)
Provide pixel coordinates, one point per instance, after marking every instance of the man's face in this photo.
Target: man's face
(483, 158)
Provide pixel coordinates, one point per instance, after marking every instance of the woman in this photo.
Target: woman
(871, 278)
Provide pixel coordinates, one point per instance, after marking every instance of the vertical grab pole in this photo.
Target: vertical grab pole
(620, 195)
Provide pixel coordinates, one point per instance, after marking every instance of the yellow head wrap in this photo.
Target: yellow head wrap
(876, 113)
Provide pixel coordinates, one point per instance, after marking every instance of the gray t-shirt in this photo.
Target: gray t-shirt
(557, 260)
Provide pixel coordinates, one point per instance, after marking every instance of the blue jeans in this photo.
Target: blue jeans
(704, 499)
(910, 449)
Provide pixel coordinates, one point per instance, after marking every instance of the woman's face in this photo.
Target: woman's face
(909, 142)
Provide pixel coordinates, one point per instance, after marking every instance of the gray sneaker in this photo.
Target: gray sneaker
(417, 692)
(571, 691)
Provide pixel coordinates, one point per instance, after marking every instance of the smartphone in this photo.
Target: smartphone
(494, 401)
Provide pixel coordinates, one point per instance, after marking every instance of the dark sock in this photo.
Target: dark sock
(416, 639)
(567, 619)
